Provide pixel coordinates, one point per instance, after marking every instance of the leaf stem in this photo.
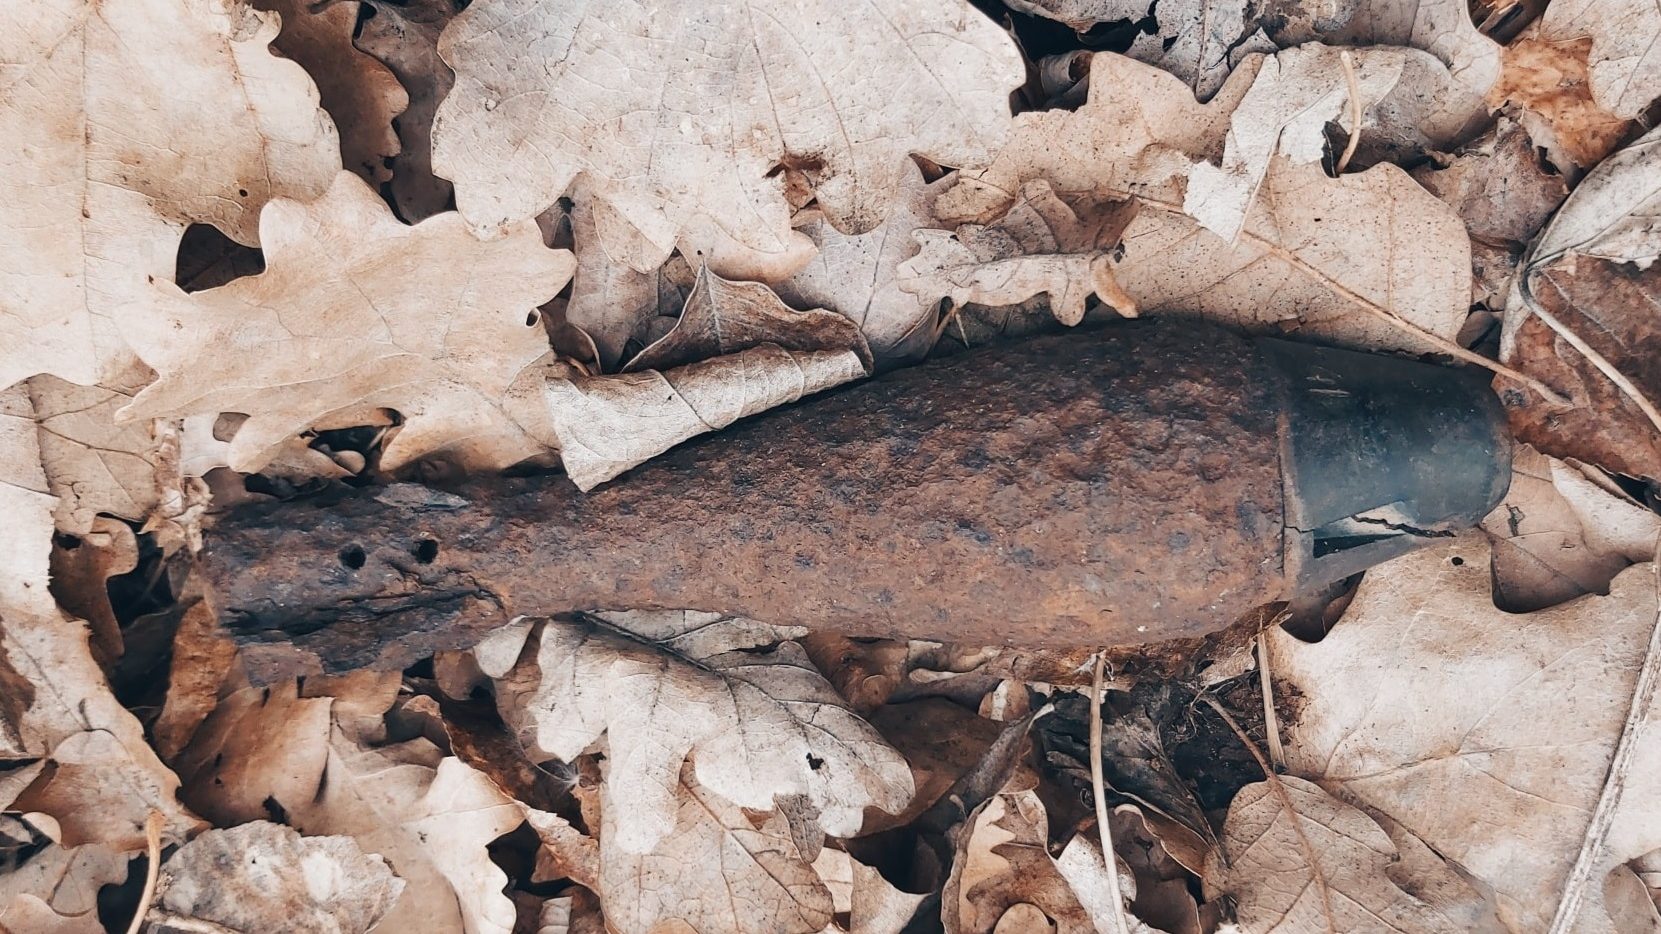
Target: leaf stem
(1098, 792)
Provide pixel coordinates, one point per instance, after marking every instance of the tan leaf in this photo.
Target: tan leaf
(1306, 861)
(801, 84)
(1202, 41)
(604, 425)
(722, 317)
(1080, 15)
(754, 725)
(359, 93)
(611, 300)
(714, 870)
(262, 876)
(856, 275)
(1560, 533)
(65, 881)
(431, 818)
(102, 778)
(110, 161)
(1140, 126)
(1441, 27)
(202, 657)
(1425, 684)
(81, 571)
(1550, 82)
(260, 745)
(404, 36)
(1625, 63)
(357, 310)
(1308, 239)
(1038, 246)
(93, 463)
(1406, 95)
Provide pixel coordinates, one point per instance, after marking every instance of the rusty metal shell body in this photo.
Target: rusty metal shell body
(1109, 486)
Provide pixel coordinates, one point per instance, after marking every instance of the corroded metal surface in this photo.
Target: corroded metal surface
(1107, 486)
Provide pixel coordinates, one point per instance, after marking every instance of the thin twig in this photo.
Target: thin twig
(1279, 788)
(1614, 783)
(1355, 111)
(1099, 793)
(152, 847)
(1271, 723)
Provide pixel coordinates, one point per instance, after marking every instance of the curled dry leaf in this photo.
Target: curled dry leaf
(56, 889)
(604, 425)
(262, 876)
(931, 77)
(1561, 533)
(1593, 271)
(1038, 246)
(715, 869)
(1625, 62)
(403, 34)
(1297, 859)
(857, 275)
(358, 92)
(111, 162)
(259, 745)
(1424, 684)
(1408, 96)
(611, 301)
(356, 310)
(1307, 241)
(723, 317)
(1441, 27)
(666, 689)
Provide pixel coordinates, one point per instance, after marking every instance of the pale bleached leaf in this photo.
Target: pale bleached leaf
(356, 310)
(108, 161)
(753, 725)
(1424, 684)
(262, 876)
(599, 94)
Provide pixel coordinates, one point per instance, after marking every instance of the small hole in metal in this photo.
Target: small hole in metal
(353, 557)
(426, 550)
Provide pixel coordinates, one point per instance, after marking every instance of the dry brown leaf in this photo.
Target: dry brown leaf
(1408, 102)
(1511, 719)
(1270, 841)
(93, 463)
(403, 34)
(872, 904)
(1593, 270)
(101, 778)
(262, 876)
(64, 882)
(1625, 63)
(1549, 81)
(1375, 233)
(798, 84)
(856, 275)
(431, 817)
(604, 425)
(1560, 533)
(1081, 15)
(715, 870)
(260, 745)
(356, 310)
(110, 162)
(202, 657)
(1441, 27)
(940, 740)
(1139, 130)
(1202, 41)
(663, 689)
(723, 317)
(81, 570)
(359, 93)
(1038, 246)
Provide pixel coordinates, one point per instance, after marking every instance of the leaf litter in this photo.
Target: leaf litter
(255, 249)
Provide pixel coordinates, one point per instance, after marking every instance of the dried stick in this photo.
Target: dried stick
(1614, 783)
(1099, 794)
(1271, 723)
(1355, 111)
(152, 848)
(1279, 788)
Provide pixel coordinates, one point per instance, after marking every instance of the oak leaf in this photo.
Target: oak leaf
(404, 36)
(1425, 684)
(1297, 859)
(56, 889)
(804, 84)
(1625, 62)
(109, 161)
(753, 725)
(356, 310)
(1551, 84)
